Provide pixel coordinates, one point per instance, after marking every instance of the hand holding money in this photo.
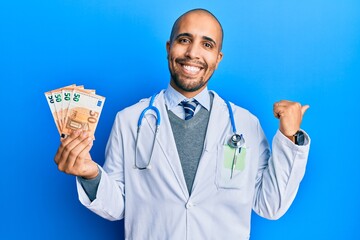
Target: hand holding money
(76, 112)
(73, 157)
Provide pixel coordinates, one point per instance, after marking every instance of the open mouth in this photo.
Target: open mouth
(190, 68)
(193, 70)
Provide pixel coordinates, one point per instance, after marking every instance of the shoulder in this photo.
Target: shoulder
(133, 111)
(244, 113)
(239, 112)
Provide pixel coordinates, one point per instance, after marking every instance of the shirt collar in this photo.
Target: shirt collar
(173, 98)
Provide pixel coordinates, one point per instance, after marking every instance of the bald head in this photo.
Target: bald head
(175, 27)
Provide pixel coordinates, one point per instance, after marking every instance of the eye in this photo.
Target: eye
(208, 45)
(184, 40)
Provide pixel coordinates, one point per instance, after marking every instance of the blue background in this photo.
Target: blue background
(308, 51)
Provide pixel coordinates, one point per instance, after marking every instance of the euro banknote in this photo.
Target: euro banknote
(75, 108)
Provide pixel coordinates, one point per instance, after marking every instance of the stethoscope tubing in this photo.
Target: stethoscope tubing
(231, 114)
(158, 120)
(150, 107)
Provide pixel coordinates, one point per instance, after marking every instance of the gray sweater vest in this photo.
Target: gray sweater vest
(189, 137)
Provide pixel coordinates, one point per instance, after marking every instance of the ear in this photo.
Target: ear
(219, 58)
(168, 47)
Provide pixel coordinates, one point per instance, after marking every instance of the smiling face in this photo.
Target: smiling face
(194, 52)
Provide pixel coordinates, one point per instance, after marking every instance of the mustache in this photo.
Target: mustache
(187, 61)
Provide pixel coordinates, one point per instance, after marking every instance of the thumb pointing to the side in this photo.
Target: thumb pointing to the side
(304, 108)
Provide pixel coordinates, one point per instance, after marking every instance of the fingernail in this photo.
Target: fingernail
(84, 134)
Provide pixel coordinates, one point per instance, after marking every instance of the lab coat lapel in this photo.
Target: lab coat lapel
(219, 127)
(219, 123)
(167, 143)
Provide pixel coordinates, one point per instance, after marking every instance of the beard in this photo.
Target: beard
(187, 83)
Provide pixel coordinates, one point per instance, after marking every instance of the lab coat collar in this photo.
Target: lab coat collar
(173, 98)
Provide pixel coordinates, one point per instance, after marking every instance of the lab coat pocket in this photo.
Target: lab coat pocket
(231, 167)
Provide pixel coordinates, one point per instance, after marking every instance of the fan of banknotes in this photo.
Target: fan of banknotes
(75, 108)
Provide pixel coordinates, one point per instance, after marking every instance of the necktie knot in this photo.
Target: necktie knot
(189, 108)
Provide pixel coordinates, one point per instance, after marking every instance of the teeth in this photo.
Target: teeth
(192, 68)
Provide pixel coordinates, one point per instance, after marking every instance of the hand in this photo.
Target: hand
(73, 156)
(290, 115)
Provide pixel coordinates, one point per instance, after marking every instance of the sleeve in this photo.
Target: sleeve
(90, 186)
(279, 174)
(109, 202)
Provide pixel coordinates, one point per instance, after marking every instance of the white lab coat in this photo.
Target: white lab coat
(156, 203)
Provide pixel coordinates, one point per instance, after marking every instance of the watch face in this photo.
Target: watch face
(299, 138)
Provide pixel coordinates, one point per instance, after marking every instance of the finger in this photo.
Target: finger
(72, 136)
(84, 166)
(67, 165)
(304, 108)
(65, 150)
(85, 153)
(276, 114)
(279, 111)
(282, 103)
(64, 143)
(79, 152)
(75, 142)
(275, 110)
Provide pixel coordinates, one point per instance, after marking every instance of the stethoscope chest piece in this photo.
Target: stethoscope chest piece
(236, 141)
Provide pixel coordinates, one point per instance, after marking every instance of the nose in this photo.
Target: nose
(192, 51)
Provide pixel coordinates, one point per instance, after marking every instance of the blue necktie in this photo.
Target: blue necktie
(189, 107)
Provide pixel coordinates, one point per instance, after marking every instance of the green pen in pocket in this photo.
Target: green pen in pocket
(229, 157)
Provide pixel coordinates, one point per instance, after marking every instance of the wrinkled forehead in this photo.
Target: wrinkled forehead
(199, 23)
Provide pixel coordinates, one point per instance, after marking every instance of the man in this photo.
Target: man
(190, 184)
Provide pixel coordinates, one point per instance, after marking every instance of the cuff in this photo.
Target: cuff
(304, 141)
(90, 186)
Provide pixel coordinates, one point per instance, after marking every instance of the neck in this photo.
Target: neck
(185, 93)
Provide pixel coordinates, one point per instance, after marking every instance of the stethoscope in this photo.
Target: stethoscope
(236, 141)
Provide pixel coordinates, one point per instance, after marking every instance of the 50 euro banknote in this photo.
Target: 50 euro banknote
(54, 100)
(75, 108)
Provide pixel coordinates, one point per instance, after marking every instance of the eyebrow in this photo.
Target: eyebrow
(190, 35)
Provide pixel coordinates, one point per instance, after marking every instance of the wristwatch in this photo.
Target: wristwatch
(299, 138)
